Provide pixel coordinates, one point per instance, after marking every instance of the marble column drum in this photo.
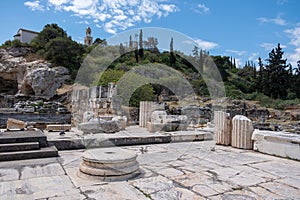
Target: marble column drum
(222, 128)
(109, 164)
(242, 130)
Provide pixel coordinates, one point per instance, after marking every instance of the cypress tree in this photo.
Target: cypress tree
(172, 56)
(141, 48)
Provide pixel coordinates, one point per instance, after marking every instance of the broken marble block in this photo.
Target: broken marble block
(242, 130)
(282, 144)
(157, 116)
(161, 121)
(88, 115)
(15, 124)
(222, 128)
(98, 125)
(121, 120)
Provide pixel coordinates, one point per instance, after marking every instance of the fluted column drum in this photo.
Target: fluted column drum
(222, 128)
(242, 130)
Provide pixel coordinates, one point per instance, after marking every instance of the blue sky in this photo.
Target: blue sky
(243, 29)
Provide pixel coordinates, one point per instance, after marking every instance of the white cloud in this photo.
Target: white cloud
(83, 22)
(115, 14)
(278, 20)
(206, 44)
(201, 9)
(253, 56)
(239, 53)
(34, 5)
(269, 46)
(238, 62)
(58, 2)
(294, 34)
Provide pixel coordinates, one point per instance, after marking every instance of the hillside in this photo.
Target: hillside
(53, 58)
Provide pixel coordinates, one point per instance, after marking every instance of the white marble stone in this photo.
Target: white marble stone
(222, 128)
(281, 144)
(109, 164)
(242, 130)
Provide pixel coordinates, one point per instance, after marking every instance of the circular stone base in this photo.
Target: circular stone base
(109, 164)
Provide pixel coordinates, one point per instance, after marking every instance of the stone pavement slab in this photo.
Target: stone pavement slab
(189, 170)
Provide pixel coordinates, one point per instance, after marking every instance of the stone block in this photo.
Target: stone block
(280, 144)
(58, 127)
(242, 130)
(15, 124)
(222, 128)
(167, 127)
(157, 116)
(99, 126)
(109, 164)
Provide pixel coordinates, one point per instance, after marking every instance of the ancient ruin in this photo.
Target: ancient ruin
(241, 134)
(109, 164)
(223, 128)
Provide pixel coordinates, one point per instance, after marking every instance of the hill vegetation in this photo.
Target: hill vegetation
(274, 82)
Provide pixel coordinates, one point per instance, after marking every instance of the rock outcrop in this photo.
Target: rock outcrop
(37, 78)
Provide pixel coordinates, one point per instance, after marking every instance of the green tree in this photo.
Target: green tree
(172, 55)
(195, 52)
(223, 64)
(141, 48)
(66, 52)
(130, 43)
(261, 75)
(98, 41)
(110, 76)
(121, 49)
(49, 32)
(276, 77)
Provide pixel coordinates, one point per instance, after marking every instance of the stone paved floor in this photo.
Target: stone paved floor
(198, 170)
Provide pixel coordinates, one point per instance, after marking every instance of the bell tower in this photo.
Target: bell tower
(88, 39)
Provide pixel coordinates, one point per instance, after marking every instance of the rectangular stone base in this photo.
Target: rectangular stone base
(155, 127)
(281, 144)
(58, 127)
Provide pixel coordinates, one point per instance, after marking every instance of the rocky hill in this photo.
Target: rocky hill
(22, 77)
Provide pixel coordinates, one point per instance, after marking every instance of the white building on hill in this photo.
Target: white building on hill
(25, 36)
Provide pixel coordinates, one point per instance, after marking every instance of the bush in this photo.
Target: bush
(251, 96)
(279, 104)
(233, 93)
(14, 43)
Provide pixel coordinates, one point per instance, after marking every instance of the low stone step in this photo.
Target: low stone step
(23, 137)
(45, 152)
(19, 146)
